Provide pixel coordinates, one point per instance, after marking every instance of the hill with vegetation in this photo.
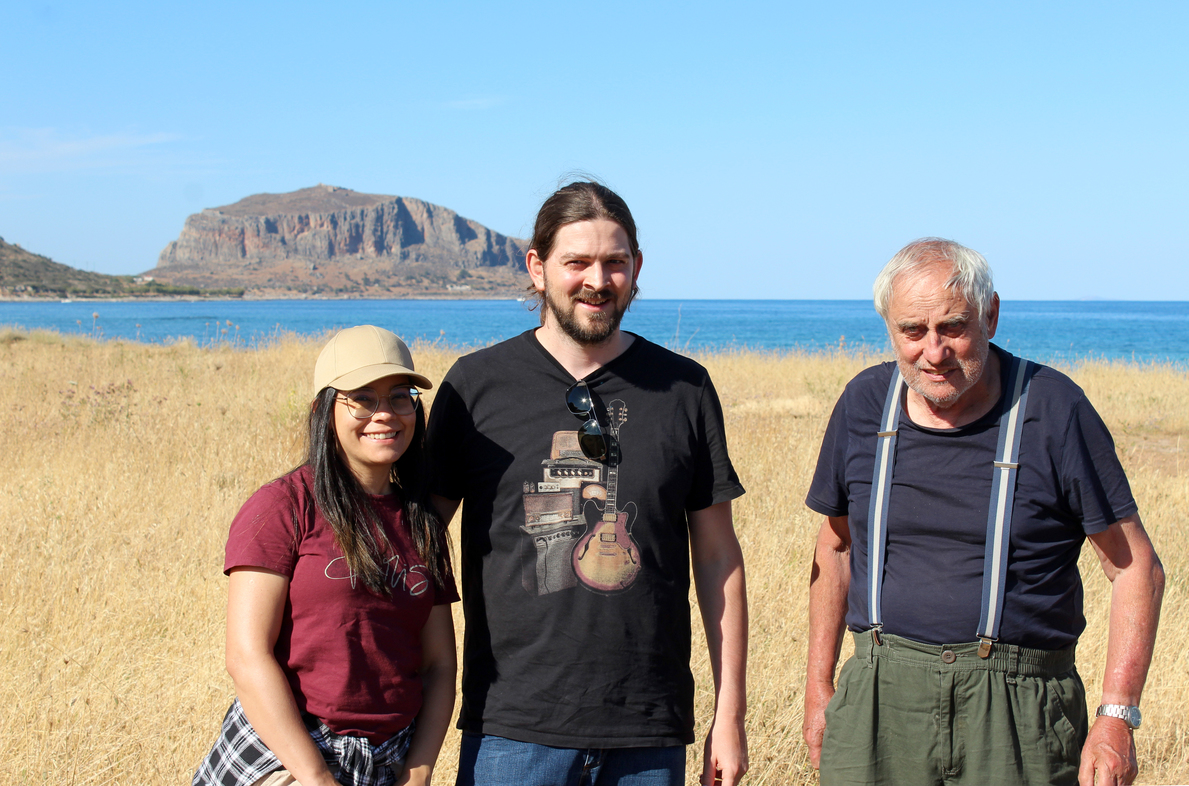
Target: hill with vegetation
(24, 274)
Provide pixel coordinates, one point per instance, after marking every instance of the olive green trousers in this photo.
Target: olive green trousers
(907, 713)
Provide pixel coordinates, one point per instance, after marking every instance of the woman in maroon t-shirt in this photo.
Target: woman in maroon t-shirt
(340, 640)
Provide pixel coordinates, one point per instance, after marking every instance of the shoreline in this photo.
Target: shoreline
(1053, 332)
(244, 299)
(10, 333)
(515, 295)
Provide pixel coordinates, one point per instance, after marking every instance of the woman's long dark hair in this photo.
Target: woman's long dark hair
(343, 502)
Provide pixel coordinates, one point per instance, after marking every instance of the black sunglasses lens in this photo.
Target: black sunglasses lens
(592, 441)
(578, 399)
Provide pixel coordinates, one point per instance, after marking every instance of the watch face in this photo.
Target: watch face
(1133, 717)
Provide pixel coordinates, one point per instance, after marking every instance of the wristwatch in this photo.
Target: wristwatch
(1129, 715)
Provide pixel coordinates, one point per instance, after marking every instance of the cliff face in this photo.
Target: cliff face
(332, 240)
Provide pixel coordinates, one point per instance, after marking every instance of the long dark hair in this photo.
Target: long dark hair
(343, 502)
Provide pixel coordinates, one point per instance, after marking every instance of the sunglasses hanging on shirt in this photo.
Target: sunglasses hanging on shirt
(590, 434)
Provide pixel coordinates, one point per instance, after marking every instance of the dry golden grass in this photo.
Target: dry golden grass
(123, 464)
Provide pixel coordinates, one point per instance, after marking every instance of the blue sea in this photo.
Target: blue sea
(1050, 331)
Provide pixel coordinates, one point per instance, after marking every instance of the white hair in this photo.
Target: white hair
(971, 276)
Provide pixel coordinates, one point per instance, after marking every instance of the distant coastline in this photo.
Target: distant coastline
(247, 297)
(484, 296)
(1060, 332)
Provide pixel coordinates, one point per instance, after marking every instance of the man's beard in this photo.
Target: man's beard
(972, 370)
(599, 326)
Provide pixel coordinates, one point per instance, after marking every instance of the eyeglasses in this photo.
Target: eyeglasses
(364, 402)
(590, 433)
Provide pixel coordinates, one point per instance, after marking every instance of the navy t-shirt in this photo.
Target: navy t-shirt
(1070, 484)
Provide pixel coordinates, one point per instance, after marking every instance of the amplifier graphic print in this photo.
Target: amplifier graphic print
(577, 533)
(553, 517)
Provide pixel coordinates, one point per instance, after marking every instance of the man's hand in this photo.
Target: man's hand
(724, 758)
(1108, 758)
(813, 728)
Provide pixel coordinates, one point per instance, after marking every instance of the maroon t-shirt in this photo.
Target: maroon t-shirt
(351, 655)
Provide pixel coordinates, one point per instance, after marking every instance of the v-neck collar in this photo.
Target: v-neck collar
(637, 342)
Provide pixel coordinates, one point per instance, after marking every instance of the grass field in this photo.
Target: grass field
(123, 464)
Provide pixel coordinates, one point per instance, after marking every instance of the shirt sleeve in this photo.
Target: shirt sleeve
(715, 479)
(449, 420)
(262, 533)
(828, 493)
(1094, 482)
(447, 592)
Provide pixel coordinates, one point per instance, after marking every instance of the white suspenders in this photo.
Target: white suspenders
(1003, 486)
(881, 487)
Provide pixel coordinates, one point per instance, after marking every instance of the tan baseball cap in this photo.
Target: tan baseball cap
(360, 355)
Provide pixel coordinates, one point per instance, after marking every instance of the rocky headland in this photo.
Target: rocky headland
(327, 241)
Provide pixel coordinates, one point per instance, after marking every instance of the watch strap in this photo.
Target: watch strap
(1128, 714)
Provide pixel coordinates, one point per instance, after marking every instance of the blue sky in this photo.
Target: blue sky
(767, 150)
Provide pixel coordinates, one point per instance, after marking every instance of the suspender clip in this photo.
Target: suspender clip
(984, 647)
(875, 635)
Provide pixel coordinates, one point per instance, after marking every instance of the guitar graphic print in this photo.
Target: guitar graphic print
(606, 558)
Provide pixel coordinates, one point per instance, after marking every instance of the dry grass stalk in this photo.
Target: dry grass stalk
(123, 464)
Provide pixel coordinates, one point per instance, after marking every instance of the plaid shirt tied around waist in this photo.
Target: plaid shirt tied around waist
(240, 758)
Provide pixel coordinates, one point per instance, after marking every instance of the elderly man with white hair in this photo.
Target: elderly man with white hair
(959, 483)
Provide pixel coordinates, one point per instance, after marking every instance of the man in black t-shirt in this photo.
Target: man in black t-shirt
(592, 469)
(959, 484)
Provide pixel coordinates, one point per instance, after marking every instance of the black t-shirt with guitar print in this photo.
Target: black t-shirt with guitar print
(575, 572)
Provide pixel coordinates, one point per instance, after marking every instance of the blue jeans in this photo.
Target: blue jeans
(485, 760)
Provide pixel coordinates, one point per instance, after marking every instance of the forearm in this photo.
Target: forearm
(828, 586)
(1136, 595)
(1137, 588)
(268, 703)
(255, 605)
(829, 582)
(437, 709)
(722, 598)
